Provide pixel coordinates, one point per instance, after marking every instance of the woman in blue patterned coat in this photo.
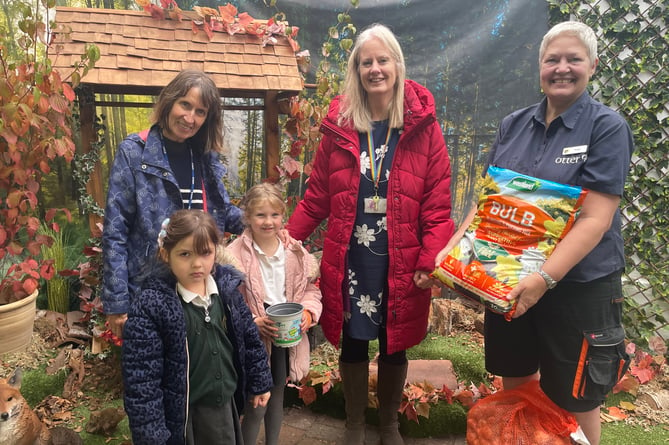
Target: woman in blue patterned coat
(176, 164)
(191, 351)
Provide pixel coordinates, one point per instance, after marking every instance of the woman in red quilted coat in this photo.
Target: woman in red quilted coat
(381, 177)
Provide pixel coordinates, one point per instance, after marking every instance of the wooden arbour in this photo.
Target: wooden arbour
(140, 54)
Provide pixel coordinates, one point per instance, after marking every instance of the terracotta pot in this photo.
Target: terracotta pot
(16, 324)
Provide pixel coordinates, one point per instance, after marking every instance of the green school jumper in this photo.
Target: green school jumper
(213, 379)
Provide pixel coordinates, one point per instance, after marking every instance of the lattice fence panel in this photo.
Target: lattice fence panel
(633, 78)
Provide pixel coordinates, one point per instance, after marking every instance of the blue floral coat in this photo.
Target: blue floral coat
(142, 193)
(155, 357)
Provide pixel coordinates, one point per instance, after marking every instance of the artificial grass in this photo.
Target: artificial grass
(36, 385)
(465, 355)
(451, 419)
(120, 435)
(445, 419)
(622, 434)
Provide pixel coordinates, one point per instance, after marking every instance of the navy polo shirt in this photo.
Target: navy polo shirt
(589, 145)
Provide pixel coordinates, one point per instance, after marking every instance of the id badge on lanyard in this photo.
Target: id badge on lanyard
(376, 204)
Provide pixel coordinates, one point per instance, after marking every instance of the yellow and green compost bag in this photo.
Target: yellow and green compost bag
(519, 221)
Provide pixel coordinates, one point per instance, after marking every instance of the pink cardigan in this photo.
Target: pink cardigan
(301, 274)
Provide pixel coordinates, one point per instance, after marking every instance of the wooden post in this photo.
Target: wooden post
(88, 136)
(272, 139)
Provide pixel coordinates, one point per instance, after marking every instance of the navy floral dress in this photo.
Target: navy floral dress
(367, 283)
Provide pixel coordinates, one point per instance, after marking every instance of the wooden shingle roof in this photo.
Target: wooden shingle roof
(140, 54)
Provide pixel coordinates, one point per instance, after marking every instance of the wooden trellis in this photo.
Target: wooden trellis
(633, 52)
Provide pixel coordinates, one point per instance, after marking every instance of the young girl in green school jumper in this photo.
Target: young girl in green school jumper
(276, 272)
(191, 352)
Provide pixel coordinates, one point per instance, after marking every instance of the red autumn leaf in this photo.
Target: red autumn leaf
(155, 11)
(58, 103)
(34, 247)
(448, 394)
(175, 14)
(409, 411)
(9, 136)
(29, 265)
(47, 270)
(32, 224)
(68, 273)
(14, 248)
(208, 30)
(466, 398)
(254, 28)
(291, 128)
(644, 374)
(42, 239)
(90, 251)
(228, 12)
(68, 92)
(308, 168)
(30, 285)
(627, 384)
(484, 390)
(295, 107)
(617, 413)
(48, 216)
(327, 386)
(43, 105)
(245, 19)
(307, 394)
(641, 367)
(291, 166)
(14, 198)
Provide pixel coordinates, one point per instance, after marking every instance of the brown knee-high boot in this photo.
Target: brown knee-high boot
(390, 389)
(355, 377)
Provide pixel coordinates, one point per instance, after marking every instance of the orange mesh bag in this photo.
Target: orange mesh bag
(519, 416)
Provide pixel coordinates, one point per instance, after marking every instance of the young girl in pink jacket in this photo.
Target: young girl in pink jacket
(276, 272)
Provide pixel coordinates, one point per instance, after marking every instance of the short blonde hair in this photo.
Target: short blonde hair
(577, 29)
(355, 110)
(257, 195)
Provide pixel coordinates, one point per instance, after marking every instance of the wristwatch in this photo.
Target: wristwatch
(550, 282)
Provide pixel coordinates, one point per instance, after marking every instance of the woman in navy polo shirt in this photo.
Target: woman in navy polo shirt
(567, 325)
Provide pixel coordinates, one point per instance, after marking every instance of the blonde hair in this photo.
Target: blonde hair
(355, 109)
(576, 29)
(257, 195)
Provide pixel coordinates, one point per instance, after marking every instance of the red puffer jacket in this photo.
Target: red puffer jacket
(418, 215)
